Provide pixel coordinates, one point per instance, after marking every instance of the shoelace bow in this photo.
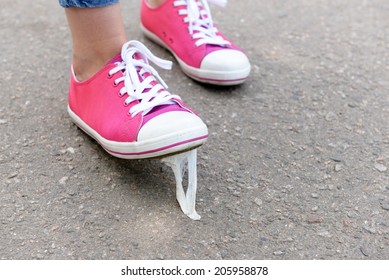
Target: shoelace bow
(138, 79)
(200, 21)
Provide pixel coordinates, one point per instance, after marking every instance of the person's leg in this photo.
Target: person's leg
(155, 3)
(97, 34)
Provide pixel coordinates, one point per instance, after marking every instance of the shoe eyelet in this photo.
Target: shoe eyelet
(115, 84)
(109, 76)
(126, 104)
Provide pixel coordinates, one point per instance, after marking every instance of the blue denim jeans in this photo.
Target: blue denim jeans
(86, 3)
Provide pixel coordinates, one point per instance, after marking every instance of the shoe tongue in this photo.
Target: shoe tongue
(161, 109)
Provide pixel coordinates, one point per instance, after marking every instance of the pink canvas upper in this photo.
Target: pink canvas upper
(166, 22)
(97, 102)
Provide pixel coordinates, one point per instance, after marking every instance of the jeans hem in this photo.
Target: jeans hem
(86, 3)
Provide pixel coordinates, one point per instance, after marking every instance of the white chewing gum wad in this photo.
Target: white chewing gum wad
(181, 163)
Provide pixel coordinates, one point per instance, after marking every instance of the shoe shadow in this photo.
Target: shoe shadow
(150, 179)
(221, 91)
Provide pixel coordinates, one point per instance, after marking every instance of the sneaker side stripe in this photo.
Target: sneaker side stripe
(162, 148)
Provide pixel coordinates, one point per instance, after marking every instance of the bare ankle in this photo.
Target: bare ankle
(155, 3)
(85, 67)
(88, 61)
(98, 35)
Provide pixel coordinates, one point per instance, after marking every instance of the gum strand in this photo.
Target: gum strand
(181, 163)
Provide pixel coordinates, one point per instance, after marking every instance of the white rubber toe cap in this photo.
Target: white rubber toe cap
(173, 127)
(226, 60)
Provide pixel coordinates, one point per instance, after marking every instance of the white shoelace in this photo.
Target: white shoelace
(139, 78)
(201, 27)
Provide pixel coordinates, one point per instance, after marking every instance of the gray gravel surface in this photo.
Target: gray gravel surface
(296, 166)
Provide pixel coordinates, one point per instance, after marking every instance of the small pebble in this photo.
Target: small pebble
(384, 205)
(324, 233)
(63, 180)
(380, 167)
(352, 215)
(314, 219)
(314, 195)
(258, 201)
(12, 175)
(330, 116)
(336, 158)
(370, 229)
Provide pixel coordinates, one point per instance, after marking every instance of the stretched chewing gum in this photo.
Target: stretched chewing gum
(181, 163)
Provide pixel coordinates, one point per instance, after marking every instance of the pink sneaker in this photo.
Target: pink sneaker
(129, 113)
(185, 28)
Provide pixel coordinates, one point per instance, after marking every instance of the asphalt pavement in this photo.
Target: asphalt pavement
(296, 165)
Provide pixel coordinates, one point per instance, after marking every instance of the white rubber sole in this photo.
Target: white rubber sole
(161, 146)
(222, 78)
